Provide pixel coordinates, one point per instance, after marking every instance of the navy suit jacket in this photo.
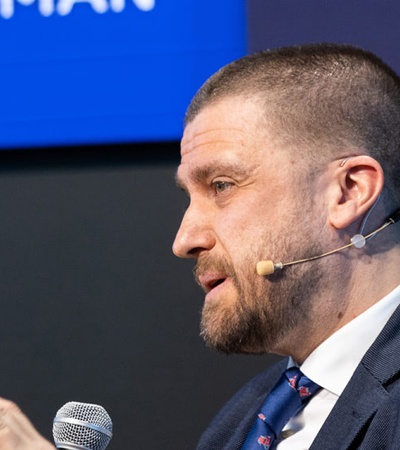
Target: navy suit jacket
(365, 417)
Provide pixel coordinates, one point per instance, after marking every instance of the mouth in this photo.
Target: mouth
(216, 283)
(210, 281)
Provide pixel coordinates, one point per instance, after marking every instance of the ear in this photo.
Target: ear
(358, 182)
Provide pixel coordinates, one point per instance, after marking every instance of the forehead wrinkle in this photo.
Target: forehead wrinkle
(212, 130)
(208, 137)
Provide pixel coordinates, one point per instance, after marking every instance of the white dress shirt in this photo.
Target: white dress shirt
(331, 366)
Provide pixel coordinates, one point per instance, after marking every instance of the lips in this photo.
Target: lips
(210, 281)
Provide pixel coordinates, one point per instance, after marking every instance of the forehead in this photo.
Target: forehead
(229, 120)
(228, 133)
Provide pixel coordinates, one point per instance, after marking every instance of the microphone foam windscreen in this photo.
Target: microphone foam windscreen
(82, 426)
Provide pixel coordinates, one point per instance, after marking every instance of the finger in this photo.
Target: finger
(12, 417)
(17, 431)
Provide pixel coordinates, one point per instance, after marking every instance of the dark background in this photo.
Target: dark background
(94, 306)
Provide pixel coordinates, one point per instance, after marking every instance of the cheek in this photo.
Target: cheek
(243, 229)
(244, 247)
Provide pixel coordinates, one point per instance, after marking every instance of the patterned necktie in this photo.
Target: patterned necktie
(289, 395)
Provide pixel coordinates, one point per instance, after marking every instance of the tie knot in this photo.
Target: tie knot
(300, 383)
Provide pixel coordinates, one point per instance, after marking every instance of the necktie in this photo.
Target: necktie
(289, 395)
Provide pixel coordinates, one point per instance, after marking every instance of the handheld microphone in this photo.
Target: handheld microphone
(265, 268)
(82, 426)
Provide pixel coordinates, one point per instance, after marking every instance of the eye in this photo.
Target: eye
(220, 186)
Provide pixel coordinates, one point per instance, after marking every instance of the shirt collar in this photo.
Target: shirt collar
(333, 362)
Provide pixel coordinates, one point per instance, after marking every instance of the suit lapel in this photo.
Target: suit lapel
(365, 392)
(352, 412)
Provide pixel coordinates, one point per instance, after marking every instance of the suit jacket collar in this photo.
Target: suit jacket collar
(365, 392)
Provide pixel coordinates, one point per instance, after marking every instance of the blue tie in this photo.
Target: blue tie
(289, 395)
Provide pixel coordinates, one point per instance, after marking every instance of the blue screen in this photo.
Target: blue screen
(108, 71)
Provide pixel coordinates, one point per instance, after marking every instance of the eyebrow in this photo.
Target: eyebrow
(199, 174)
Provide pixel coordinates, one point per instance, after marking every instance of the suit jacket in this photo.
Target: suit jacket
(365, 417)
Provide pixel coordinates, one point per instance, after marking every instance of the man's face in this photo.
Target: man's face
(248, 202)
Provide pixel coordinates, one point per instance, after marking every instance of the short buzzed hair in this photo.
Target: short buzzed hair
(327, 98)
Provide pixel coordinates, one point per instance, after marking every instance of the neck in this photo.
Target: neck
(349, 290)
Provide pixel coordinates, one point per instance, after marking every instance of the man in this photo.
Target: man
(286, 156)
(292, 156)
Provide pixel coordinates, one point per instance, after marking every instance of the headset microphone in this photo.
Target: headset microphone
(268, 267)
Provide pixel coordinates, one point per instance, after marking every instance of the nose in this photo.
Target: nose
(195, 234)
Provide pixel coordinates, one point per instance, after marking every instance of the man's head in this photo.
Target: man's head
(320, 99)
(279, 159)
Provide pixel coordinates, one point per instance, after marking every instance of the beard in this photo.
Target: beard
(266, 310)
